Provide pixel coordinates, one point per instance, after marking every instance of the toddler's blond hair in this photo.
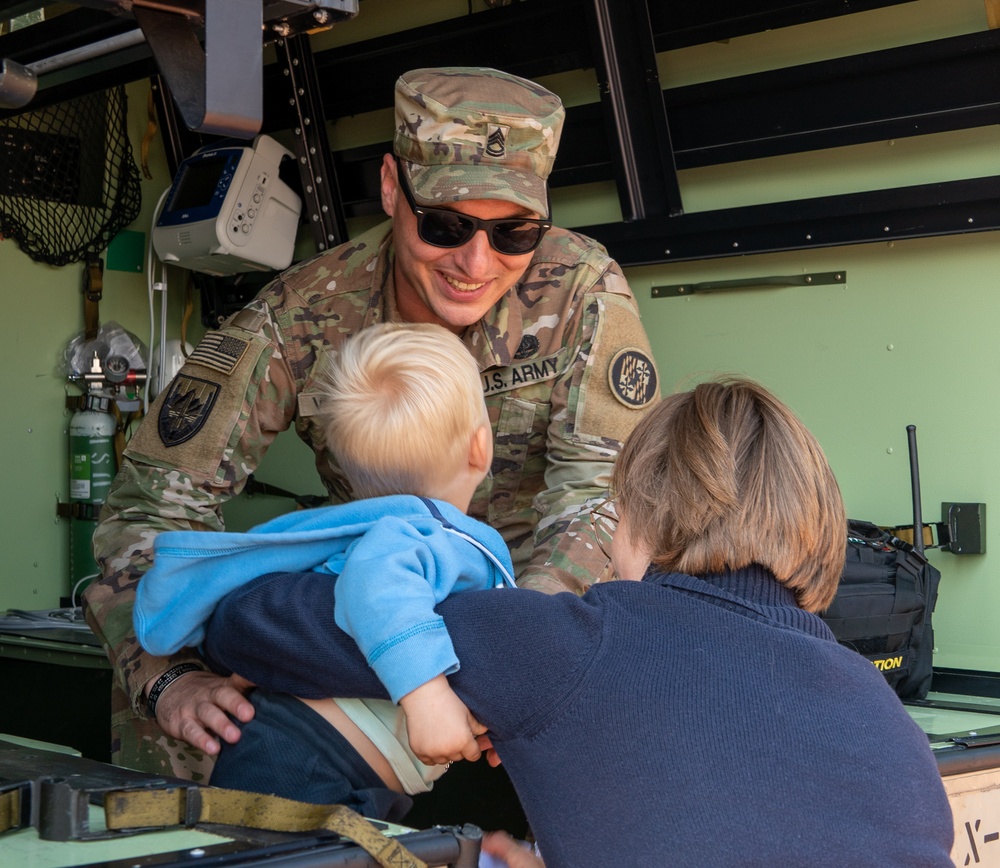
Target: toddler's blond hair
(398, 402)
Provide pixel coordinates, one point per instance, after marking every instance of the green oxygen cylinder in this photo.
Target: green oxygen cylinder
(91, 470)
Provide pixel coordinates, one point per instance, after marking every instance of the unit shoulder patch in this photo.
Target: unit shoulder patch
(185, 409)
(632, 377)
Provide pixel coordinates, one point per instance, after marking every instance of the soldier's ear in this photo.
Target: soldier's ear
(389, 185)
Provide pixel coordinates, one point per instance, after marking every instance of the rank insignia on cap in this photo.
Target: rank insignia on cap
(632, 377)
(496, 140)
(185, 409)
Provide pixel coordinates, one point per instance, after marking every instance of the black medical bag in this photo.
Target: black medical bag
(884, 605)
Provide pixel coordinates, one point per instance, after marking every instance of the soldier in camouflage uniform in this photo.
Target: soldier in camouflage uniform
(566, 370)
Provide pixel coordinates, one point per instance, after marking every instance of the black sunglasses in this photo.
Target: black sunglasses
(440, 227)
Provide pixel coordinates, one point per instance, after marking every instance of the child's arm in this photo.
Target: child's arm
(393, 578)
(439, 727)
(178, 593)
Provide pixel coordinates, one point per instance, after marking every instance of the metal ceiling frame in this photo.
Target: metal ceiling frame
(638, 135)
(936, 86)
(942, 85)
(632, 98)
(919, 211)
(211, 53)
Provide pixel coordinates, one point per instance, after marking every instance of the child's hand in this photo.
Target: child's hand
(486, 746)
(505, 851)
(438, 725)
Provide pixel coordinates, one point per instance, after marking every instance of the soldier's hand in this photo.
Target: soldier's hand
(196, 707)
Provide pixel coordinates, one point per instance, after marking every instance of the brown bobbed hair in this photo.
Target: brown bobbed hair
(724, 476)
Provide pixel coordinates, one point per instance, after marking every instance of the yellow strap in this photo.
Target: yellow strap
(126, 809)
(10, 810)
(993, 14)
(147, 138)
(906, 534)
(93, 289)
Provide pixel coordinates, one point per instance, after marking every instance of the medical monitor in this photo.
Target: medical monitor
(228, 211)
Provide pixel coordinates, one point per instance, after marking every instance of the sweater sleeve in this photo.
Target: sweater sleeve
(278, 631)
(393, 578)
(522, 652)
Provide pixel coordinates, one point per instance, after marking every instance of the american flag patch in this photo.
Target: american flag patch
(220, 352)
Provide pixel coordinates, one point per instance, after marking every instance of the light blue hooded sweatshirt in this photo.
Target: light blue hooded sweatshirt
(395, 557)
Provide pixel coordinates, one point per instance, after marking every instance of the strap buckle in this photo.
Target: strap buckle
(60, 811)
(193, 804)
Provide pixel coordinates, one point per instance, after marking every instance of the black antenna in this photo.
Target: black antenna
(918, 521)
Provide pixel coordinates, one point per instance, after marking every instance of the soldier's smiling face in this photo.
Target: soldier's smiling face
(455, 286)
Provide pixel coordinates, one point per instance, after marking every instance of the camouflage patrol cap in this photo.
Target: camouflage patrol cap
(476, 133)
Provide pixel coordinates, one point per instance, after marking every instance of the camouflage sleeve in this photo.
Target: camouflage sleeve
(203, 436)
(610, 382)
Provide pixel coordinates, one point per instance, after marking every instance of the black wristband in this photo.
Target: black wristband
(165, 680)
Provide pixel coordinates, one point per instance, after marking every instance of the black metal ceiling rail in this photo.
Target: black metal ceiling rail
(931, 87)
(321, 194)
(176, 144)
(945, 84)
(15, 8)
(75, 29)
(517, 39)
(629, 86)
(945, 208)
(678, 25)
(101, 33)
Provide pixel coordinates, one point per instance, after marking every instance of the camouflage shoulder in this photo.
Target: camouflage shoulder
(567, 243)
(564, 247)
(340, 269)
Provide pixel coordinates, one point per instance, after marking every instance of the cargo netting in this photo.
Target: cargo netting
(68, 178)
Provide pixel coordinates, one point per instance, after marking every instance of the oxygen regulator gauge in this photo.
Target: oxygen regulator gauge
(116, 369)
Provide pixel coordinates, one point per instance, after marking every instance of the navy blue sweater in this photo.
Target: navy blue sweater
(673, 721)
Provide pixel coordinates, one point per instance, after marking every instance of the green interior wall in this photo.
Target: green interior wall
(907, 339)
(42, 313)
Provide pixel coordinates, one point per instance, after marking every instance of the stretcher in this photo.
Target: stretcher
(59, 809)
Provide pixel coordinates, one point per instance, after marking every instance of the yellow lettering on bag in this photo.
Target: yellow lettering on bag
(887, 664)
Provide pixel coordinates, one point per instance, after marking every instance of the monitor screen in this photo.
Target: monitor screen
(197, 183)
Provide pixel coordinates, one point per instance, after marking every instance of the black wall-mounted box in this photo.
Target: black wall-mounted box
(966, 523)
